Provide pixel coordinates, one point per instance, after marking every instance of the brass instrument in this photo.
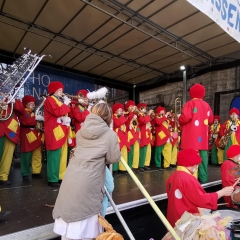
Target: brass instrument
(213, 136)
(12, 80)
(178, 109)
(39, 111)
(225, 139)
(72, 96)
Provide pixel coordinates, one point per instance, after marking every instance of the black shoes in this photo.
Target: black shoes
(25, 178)
(5, 182)
(54, 184)
(159, 169)
(37, 175)
(135, 170)
(147, 168)
(173, 166)
(141, 169)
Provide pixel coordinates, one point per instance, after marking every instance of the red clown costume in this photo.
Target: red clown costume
(233, 160)
(119, 126)
(80, 111)
(30, 140)
(56, 131)
(9, 136)
(133, 134)
(144, 121)
(184, 191)
(194, 119)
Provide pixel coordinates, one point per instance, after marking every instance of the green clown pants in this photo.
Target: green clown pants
(203, 167)
(158, 156)
(214, 157)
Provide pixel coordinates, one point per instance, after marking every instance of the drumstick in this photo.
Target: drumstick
(236, 182)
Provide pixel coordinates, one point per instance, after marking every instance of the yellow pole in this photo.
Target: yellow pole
(150, 200)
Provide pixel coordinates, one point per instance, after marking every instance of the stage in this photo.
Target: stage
(30, 204)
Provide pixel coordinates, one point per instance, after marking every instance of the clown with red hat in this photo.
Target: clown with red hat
(185, 192)
(119, 126)
(133, 134)
(9, 136)
(80, 111)
(30, 140)
(56, 130)
(231, 129)
(228, 179)
(214, 137)
(144, 121)
(162, 139)
(194, 120)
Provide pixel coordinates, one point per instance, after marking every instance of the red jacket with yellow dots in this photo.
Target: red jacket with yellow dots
(195, 118)
(55, 132)
(132, 128)
(119, 126)
(162, 130)
(30, 138)
(145, 129)
(10, 128)
(79, 114)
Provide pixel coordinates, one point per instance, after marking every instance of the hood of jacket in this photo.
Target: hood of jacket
(93, 127)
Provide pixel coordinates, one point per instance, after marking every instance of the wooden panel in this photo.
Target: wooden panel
(143, 49)
(26, 10)
(137, 4)
(34, 42)
(153, 7)
(132, 74)
(142, 78)
(89, 63)
(112, 36)
(230, 48)
(105, 29)
(175, 12)
(77, 59)
(127, 41)
(105, 67)
(190, 24)
(204, 34)
(57, 13)
(175, 67)
(85, 23)
(70, 55)
(10, 37)
(56, 50)
(157, 55)
(116, 72)
(215, 42)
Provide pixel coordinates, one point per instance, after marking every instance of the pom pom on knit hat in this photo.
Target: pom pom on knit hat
(216, 118)
(83, 92)
(234, 110)
(28, 98)
(197, 91)
(188, 158)
(233, 151)
(116, 106)
(128, 104)
(141, 105)
(159, 109)
(54, 86)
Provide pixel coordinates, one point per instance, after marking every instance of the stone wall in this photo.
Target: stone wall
(218, 81)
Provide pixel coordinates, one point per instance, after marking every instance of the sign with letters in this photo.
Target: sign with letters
(226, 13)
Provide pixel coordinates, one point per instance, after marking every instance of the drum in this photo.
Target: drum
(236, 196)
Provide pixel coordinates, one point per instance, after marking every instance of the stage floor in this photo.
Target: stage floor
(27, 201)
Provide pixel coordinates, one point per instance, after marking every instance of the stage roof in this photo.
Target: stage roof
(127, 40)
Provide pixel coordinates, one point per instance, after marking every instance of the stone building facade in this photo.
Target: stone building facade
(225, 83)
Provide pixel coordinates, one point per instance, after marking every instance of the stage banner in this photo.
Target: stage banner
(37, 83)
(226, 13)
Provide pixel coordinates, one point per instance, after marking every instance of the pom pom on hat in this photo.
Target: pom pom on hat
(234, 110)
(27, 98)
(233, 151)
(141, 105)
(116, 106)
(129, 103)
(54, 86)
(159, 109)
(188, 158)
(197, 91)
(217, 118)
(84, 92)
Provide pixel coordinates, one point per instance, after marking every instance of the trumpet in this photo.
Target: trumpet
(178, 109)
(72, 96)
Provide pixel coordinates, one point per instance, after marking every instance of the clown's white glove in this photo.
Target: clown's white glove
(89, 106)
(39, 118)
(66, 121)
(178, 115)
(66, 100)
